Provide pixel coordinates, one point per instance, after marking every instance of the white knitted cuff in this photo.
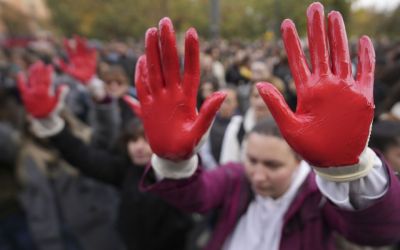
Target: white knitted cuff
(174, 170)
(349, 172)
(47, 127)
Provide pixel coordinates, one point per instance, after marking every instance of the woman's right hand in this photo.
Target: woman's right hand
(38, 97)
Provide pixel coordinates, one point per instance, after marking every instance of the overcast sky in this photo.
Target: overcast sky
(377, 4)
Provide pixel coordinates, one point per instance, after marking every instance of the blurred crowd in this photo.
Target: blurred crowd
(78, 190)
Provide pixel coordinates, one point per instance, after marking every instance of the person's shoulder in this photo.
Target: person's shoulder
(309, 186)
(233, 168)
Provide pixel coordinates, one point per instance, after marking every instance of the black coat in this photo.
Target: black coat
(145, 222)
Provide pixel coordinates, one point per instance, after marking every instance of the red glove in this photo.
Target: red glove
(334, 113)
(168, 101)
(37, 94)
(82, 60)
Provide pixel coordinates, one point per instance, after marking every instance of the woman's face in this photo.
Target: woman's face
(229, 105)
(206, 89)
(116, 88)
(256, 102)
(139, 151)
(269, 164)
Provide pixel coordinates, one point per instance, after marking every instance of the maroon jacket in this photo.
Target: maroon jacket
(308, 223)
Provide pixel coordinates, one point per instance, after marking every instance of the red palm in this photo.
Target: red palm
(332, 122)
(168, 102)
(82, 60)
(36, 92)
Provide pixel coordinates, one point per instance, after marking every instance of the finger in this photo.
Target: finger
(191, 75)
(42, 80)
(156, 81)
(297, 60)
(208, 111)
(169, 53)
(141, 80)
(276, 104)
(81, 44)
(47, 75)
(339, 48)
(35, 75)
(134, 105)
(366, 66)
(317, 41)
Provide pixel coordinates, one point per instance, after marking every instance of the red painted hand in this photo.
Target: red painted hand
(334, 113)
(82, 60)
(168, 102)
(37, 94)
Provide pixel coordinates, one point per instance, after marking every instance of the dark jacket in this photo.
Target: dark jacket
(309, 222)
(145, 221)
(9, 189)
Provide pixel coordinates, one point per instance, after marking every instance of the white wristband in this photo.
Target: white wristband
(47, 127)
(350, 172)
(174, 170)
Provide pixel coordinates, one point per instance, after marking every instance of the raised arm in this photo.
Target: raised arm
(172, 124)
(168, 100)
(43, 107)
(82, 60)
(331, 126)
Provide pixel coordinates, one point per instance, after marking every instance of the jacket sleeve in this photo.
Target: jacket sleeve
(105, 121)
(376, 225)
(202, 192)
(92, 162)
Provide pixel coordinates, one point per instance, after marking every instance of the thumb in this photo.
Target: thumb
(208, 111)
(277, 105)
(134, 105)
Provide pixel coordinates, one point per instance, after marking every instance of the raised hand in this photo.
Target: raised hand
(37, 95)
(334, 113)
(168, 101)
(82, 60)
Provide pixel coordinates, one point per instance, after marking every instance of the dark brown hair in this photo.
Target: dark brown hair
(132, 131)
(267, 126)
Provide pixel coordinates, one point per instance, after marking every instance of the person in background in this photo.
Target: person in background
(211, 150)
(385, 137)
(15, 233)
(208, 85)
(232, 144)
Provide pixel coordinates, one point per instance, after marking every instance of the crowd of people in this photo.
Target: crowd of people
(76, 147)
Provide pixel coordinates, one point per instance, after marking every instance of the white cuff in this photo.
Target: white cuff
(349, 172)
(96, 88)
(47, 127)
(360, 193)
(164, 168)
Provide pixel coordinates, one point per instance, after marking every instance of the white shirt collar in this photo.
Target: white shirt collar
(261, 226)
